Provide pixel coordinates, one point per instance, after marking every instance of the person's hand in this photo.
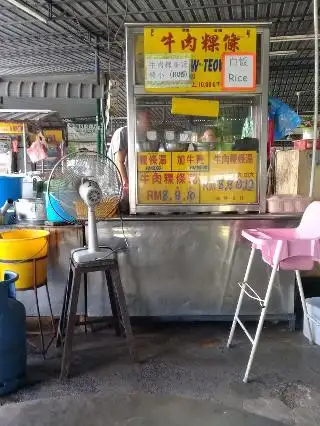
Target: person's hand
(125, 184)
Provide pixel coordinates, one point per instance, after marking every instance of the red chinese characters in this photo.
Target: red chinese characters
(231, 42)
(153, 159)
(143, 160)
(200, 159)
(189, 43)
(233, 158)
(190, 159)
(217, 159)
(181, 160)
(156, 177)
(144, 177)
(244, 158)
(168, 178)
(181, 178)
(162, 159)
(210, 42)
(168, 41)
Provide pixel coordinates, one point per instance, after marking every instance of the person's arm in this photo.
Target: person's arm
(120, 158)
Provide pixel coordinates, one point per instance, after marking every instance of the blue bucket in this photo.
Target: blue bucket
(55, 213)
(10, 187)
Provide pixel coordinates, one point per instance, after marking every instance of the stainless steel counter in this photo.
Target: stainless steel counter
(183, 267)
(206, 216)
(190, 268)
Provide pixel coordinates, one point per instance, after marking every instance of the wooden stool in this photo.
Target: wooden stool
(69, 310)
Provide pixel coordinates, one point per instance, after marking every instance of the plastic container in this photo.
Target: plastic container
(287, 203)
(25, 252)
(13, 342)
(313, 308)
(305, 144)
(55, 213)
(10, 187)
(274, 204)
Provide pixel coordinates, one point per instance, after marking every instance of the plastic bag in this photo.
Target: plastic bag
(38, 150)
(285, 119)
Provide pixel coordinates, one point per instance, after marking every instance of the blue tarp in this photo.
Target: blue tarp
(285, 119)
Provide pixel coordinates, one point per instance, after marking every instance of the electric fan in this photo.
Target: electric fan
(85, 186)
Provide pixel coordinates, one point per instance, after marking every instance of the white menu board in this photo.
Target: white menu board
(168, 71)
(239, 71)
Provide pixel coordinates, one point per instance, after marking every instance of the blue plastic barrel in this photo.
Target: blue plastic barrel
(13, 340)
(10, 187)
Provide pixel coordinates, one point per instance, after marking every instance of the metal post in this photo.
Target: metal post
(316, 95)
(98, 101)
(24, 141)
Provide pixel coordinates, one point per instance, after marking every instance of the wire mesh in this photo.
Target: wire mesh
(67, 176)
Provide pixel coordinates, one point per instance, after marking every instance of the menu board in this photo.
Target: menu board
(202, 178)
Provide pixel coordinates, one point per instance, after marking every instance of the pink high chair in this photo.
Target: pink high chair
(294, 249)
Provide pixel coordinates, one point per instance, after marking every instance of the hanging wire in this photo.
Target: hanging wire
(316, 94)
(123, 21)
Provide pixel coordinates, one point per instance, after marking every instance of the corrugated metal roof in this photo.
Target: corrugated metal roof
(32, 115)
(66, 44)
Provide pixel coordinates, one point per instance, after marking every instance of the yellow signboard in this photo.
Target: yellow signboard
(7, 128)
(222, 177)
(168, 188)
(154, 161)
(232, 178)
(197, 107)
(53, 136)
(190, 161)
(191, 59)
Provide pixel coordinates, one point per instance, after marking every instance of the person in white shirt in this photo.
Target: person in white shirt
(118, 150)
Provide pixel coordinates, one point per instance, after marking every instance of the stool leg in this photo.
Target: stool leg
(113, 303)
(52, 318)
(85, 289)
(242, 292)
(40, 322)
(304, 306)
(50, 306)
(65, 308)
(120, 297)
(264, 309)
(71, 321)
(35, 289)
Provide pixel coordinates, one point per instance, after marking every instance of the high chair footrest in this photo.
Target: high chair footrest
(251, 293)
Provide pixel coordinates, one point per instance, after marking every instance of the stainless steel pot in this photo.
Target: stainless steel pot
(148, 146)
(31, 210)
(204, 146)
(176, 146)
(170, 135)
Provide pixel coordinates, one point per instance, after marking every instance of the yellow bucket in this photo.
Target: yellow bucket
(25, 251)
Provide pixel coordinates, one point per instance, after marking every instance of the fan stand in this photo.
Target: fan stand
(93, 252)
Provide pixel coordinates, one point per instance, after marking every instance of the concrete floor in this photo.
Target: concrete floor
(186, 376)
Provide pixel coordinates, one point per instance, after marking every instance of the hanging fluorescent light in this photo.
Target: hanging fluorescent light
(283, 53)
(27, 9)
(290, 38)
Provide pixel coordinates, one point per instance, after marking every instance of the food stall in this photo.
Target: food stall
(223, 83)
(18, 129)
(189, 201)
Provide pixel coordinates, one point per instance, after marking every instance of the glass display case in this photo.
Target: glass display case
(195, 144)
